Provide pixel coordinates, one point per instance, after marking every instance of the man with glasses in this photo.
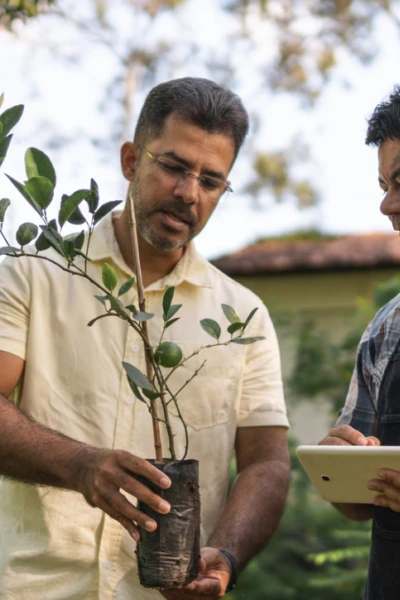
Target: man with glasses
(82, 430)
(371, 415)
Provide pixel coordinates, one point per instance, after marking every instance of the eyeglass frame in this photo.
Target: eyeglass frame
(186, 173)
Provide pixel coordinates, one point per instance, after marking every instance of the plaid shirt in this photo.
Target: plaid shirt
(374, 351)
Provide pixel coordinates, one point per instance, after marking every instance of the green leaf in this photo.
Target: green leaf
(4, 144)
(137, 377)
(104, 210)
(79, 240)
(93, 200)
(172, 311)
(251, 315)
(22, 190)
(233, 327)
(117, 307)
(125, 287)
(69, 205)
(26, 233)
(248, 340)
(9, 118)
(139, 315)
(136, 391)
(37, 164)
(9, 251)
(53, 238)
(211, 327)
(40, 190)
(4, 204)
(1, 100)
(230, 314)
(42, 242)
(109, 277)
(167, 299)
(171, 322)
(101, 299)
(151, 395)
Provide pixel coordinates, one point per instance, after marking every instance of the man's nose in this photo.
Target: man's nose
(188, 188)
(391, 203)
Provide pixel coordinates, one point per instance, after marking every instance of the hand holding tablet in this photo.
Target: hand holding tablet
(341, 473)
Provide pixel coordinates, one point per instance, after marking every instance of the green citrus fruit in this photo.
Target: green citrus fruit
(168, 354)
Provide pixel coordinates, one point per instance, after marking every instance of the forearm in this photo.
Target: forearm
(35, 454)
(253, 510)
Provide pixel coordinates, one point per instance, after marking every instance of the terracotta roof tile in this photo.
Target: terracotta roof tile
(283, 255)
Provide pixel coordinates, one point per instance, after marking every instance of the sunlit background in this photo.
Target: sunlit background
(82, 71)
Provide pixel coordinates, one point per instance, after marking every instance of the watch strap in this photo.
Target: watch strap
(235, 570)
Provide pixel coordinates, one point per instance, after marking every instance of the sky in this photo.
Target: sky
(61, 116)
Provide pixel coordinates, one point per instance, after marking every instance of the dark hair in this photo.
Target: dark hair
(384, 122)
(198, 101)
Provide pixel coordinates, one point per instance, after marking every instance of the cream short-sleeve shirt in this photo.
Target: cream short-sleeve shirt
(53, 545)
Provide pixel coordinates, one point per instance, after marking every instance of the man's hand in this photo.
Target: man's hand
(344, 435)
(211, 582)
(103, 476)
(388, 487)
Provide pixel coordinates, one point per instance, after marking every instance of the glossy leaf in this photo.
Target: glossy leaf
(21, 188)
(171, 322)
(137, 377)
(233, 327)
(101, 299)
(38, 164)
(211, 327)
(4, 204)
(230, 314)
(104, 210)
(125, 287)
(4, 144)
(9, 118)
(79, 240)
(151, 395)
(139, 315)
(136, 391)
(93, 200)
(171, 312)
(116, 306)
(109, 277)
(40, 190)
(9, 251)
(248, 340)
(251, 315)
(167, 299)
(69, 205)
(26, 233)
(54, 239)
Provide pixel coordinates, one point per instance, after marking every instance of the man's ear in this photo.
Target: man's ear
(129, 159)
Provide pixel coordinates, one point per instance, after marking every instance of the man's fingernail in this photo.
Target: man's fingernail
(134, 535)
(165, 482)
(150, 525)
(361, 441)
(164, 507)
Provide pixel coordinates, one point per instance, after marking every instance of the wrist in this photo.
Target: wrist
(234, 570)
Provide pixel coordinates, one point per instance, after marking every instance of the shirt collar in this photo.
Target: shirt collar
(192, 267)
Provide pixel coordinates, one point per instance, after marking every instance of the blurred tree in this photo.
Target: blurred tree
(145, 43)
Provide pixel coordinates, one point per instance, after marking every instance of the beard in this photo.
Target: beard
(158, 239)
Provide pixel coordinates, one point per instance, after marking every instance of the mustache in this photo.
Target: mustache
(178, 208)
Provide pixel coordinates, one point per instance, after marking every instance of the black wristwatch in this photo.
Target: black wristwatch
(235, 570)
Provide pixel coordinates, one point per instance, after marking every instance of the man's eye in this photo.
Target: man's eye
(172, 167)
(210, 184)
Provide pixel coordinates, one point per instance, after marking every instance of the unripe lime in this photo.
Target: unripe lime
(168, 354)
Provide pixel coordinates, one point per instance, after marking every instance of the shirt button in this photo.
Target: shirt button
(129, 400)
(136, 347)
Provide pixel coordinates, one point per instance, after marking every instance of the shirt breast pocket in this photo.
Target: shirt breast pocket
(210, 384)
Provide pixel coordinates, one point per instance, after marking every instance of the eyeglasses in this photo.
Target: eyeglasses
(213, 186)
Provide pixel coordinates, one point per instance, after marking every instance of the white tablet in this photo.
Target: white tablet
(342, 473)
